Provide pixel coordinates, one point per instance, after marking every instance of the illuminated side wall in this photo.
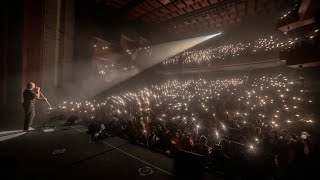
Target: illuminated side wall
(58, 41)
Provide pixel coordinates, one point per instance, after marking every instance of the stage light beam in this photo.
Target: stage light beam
(145, 60)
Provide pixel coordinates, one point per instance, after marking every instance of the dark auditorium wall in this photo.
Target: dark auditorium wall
(21, 51)
(12, 38)
(25, 40)
(32, 42)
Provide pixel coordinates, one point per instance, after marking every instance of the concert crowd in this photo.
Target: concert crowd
(232, 51)
(253, 127)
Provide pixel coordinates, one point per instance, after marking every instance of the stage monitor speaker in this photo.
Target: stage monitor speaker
(71, 121)
(187, 162)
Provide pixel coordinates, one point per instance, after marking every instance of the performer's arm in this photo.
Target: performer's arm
(42, 98)
(38, 94)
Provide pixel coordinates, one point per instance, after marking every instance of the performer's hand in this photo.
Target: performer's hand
(37, 88)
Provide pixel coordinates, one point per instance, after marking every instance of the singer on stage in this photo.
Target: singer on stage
(29, 99)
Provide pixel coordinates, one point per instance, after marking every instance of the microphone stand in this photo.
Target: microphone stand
(44, 125)
(45, 99)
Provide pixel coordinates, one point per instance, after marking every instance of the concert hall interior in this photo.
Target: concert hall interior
(160, 89)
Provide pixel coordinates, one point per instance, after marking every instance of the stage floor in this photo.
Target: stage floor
(29, 156)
